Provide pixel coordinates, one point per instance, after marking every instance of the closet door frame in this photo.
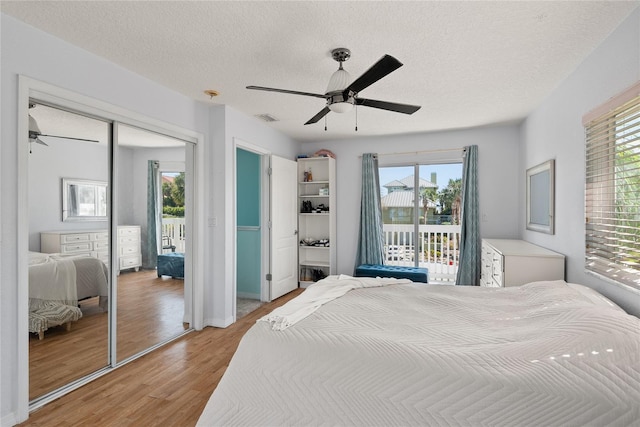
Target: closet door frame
(47, 93)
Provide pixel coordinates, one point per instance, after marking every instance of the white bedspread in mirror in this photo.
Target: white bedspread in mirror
(67, 278)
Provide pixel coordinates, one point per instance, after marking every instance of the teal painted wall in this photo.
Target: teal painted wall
(248, 242)
(248, 184)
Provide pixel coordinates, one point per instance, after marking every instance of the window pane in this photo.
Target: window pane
(421, 217)
(612, 195)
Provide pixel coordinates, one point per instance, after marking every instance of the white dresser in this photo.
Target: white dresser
(95, 243)
(129, 247)
(508, 262)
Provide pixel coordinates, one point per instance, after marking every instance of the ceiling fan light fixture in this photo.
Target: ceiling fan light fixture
(341, 107)
(339, 80)
(342, 93)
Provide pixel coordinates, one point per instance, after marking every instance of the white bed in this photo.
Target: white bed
(57, 282)
(67, 277)
(542, 354)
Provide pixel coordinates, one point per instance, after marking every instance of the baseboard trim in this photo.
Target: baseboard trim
(8, 420)
(219, 323)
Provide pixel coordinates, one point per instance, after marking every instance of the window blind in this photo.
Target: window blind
(612, 194)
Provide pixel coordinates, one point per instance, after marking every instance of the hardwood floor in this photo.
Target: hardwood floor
(150, 310)
(167, 387)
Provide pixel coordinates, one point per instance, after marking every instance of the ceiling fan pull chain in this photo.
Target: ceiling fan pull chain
(356, 107)
(325, 123)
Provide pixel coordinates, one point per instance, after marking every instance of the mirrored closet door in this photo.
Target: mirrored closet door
(109, 245)
(69, 222)
(153, 286)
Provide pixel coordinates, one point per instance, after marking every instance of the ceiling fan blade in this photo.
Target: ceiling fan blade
(68, 137)
(384, 66)
(318, 116)
(292, 92)
(390, 106)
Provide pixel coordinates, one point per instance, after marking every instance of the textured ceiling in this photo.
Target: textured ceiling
(467, 64)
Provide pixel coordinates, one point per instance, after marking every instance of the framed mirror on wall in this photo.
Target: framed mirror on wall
(541, 197)
(84, 200)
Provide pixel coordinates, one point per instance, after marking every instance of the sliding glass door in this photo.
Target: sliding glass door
(421, 216)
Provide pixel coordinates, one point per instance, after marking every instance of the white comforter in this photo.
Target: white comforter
(67, 278)
(319, 294)
(542, 354)
(52, 279)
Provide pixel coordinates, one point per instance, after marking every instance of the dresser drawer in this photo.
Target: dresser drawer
(129, 231)
(101, 246)
(102, 236)
(129, 262)
(128, 250)
(77, 247)
(497, 270)
(129, 240)
(74, 238)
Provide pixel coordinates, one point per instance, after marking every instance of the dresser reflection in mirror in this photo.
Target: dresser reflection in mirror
(95, 243)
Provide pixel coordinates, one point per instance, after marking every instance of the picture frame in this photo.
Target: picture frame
(541, 197)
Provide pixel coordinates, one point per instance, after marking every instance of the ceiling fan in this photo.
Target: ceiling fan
(35, 133)
(342, 94)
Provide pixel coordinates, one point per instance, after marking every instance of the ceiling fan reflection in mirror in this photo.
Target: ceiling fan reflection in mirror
(35, 133)
(342, 94)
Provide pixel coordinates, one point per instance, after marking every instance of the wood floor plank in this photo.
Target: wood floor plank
(150, 310)
(167, 387)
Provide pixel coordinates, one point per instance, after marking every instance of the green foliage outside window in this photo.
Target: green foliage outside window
(173, 197)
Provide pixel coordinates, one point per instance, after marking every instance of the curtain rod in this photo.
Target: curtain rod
(441, 150)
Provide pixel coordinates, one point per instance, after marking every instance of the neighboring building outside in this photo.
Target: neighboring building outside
(398, 203)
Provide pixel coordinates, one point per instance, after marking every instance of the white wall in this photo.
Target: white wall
(226, 125)
(498, 151)
(554, 131)
(124, 182)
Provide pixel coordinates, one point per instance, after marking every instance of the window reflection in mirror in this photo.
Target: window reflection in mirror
(540, 197)
(84, 200)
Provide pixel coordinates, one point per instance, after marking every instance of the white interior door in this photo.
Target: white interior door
(284, 226)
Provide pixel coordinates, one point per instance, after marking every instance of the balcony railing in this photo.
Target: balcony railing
(437, 249)
(174, 230)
